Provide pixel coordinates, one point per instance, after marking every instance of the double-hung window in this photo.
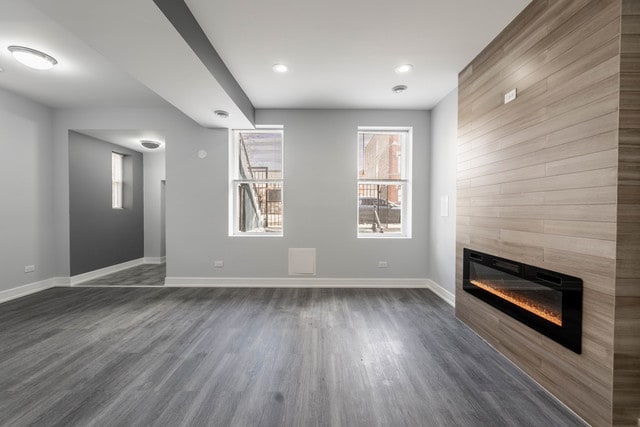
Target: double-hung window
(384, 182)
(117, 180)
(256, 182)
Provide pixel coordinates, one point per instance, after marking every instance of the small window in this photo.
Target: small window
(384, 182)
(256, 182)
(117, 180)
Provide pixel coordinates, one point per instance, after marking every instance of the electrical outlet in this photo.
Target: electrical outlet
(382, 264)
(29, 268)
(510, 96)
(218, 264)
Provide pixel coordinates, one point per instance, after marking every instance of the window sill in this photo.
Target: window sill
(257, 235)
(383, 236)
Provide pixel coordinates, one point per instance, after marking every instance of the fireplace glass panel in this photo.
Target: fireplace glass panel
(543, 301)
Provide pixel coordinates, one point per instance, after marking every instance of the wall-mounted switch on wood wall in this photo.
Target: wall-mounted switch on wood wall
(510, 96)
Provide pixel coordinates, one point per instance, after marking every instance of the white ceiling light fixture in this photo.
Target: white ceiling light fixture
(32, 58)
(399, 89)
(403, 68)
(222, 114)
(280, 68)
(152, 145)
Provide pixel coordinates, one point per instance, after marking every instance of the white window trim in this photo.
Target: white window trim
(234, 181)
(117, 202)
(406, 183)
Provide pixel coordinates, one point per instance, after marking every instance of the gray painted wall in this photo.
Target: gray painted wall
(320, 205)
(99, 235)
(442, 244)
(154, 174)
(320, 153)
(177, 128)
(26, 223)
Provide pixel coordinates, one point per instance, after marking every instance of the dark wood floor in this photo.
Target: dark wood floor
(140, 275)
(249, 357)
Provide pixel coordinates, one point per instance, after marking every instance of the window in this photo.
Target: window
(384, 182)
(117, 180)
(256, 182)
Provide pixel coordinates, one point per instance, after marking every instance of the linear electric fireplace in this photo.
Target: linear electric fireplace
(549, 302)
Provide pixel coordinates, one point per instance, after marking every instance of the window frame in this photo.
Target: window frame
(405, 182)
(235, 180)
(117, 186)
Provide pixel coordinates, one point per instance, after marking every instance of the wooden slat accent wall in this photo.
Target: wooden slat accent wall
(538, 183)
(626, 396)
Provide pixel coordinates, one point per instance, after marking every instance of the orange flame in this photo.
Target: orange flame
(528, 305)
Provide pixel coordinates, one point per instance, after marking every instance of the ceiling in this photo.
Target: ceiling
(341, 54)
(82, 78)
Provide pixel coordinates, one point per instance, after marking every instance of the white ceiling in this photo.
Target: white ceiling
(138, 38)
(342, 53)
(82, 78)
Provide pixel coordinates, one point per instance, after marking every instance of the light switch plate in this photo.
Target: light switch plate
(444, 205)
(510, 96)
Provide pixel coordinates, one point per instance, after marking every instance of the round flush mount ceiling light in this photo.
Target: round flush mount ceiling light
(404, 68)
(32, 58)
(399, 89)
(280, 68)
(152, 145)
(222, 114)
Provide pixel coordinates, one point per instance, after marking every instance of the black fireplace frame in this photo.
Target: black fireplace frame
(570, 333)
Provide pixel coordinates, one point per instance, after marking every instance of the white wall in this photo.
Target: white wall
(26, 224)
(442, 243)
(154, 173)
(320, 211)
(320, 161)
(178, 130)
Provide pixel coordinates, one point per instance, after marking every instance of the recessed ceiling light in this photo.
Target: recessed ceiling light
(398, 89)
(152, 145)
(404, 68)
(32, 58)
(280, 68)
(221, 113)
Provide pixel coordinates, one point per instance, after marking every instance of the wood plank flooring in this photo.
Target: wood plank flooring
(140, 275)
(255, 357)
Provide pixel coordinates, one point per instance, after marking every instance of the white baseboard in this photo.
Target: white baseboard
(308, 282)
(62, 281)
(447, 296)
(90, 275)
(291, 282)
(155, 259)
(235, 282)
(27, 289)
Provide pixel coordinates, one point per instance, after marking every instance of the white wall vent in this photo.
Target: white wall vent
(302, 261)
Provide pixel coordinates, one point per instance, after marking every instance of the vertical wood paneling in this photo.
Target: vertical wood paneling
(626, 381)
(538, 182)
